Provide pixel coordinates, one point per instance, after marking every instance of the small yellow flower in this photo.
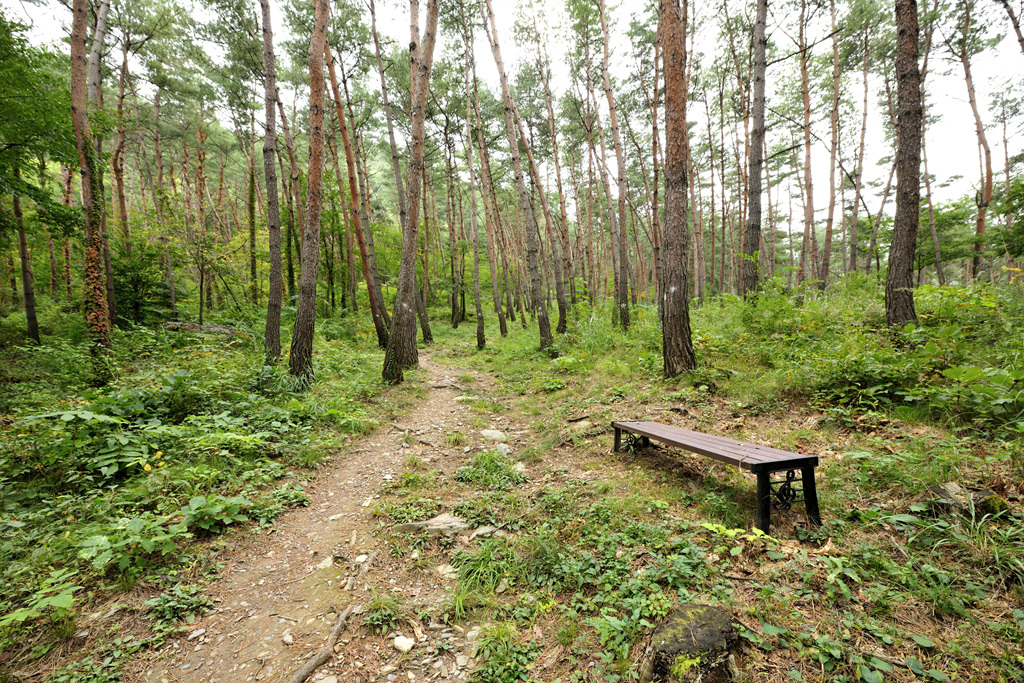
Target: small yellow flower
(147, 467)
(160, 464)
(159, 453)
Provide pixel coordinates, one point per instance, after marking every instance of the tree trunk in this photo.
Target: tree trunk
(27, 277)
(677, 343)
(808, 270)
(1014, 21)
(753, 236)
(490, 210)
(272, 330)
(372, 284)
(899, 280)
(985, 194)
(620, 157)
(97, 316)
(529, 219)
(826, 252)
(859, 180)
(401, 352)
(300, 361)
(474, 226)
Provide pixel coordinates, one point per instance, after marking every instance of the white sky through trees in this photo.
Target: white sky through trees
(951, 140)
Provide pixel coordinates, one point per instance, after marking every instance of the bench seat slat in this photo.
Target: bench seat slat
(747, 456)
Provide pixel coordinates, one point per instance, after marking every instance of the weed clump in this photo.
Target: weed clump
(491, 470)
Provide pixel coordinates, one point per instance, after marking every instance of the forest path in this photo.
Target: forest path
(278, 587)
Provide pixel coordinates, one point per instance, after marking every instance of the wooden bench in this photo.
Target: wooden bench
(760, 460)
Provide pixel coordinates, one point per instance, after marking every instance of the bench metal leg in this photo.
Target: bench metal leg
(618, 440)
(810, 495)
(764, 501)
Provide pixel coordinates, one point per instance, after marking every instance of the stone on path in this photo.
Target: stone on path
(445, 524)
(403, 644)
(694, 644)
(504, 449)
(493, 435)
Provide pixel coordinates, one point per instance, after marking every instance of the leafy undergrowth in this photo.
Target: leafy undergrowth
(120, 500)
(599, 548)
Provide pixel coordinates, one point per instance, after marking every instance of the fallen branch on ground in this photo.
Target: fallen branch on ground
(324, 654)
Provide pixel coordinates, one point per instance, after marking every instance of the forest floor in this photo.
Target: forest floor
(281, 589)
(289, 583)
(571, 554)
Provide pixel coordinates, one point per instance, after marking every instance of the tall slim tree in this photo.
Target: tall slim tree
(402, 352)
(525, 205)
(300, 362)
(676, 337)
(94, 291)
(899, 278)
(620, 159)
(753, 235)
(272, 331)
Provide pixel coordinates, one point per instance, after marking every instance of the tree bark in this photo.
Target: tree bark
(27, 277)
(474, 226)
(984, 197)
(899, 279)
(677, 342)
(1014, 21)
(97, 316)
(272, 330)
(529, 218)
(374, 295)
(402, 352)
(754, 168)
(620, 157)
(300, 362)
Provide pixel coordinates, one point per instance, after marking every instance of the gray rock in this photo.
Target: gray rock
(482, 531)
(445, 524)
(504, 449)
(694, 644)
(493, 435)
(403, 644)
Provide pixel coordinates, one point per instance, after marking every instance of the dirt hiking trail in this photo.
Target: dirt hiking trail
(280, 593)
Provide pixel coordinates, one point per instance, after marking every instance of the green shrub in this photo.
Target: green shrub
(213, 513)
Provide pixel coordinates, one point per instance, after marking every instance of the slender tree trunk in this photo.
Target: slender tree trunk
(272, 330)
(753, 236)
(677, 343)
(559, 276)
(27, 277)
(474, 226)
(401, 352)
(97, 316)
(1014, 21)
(899, 280)
(859, 181)
(300, 361)
(372, 284)
(296, 205)
(985, 194)
(620, 157)
(826, 252)
(490, 210)
(808, 270)
(529, 219)
(118, 153)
